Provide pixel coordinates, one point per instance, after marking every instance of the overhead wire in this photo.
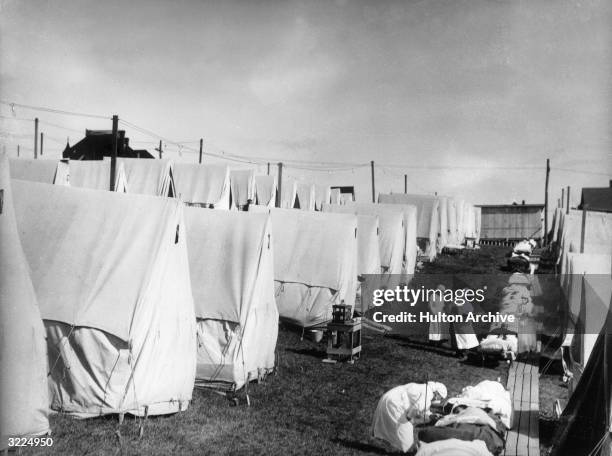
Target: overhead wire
(300, 164)
(14, 105)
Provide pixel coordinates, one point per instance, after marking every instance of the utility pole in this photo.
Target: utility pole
(114, 152)
(17, 150)
(268, 168)
(582, 231)
(562, 197)
(546, 200)
(160, 149)
(279, 189)
(201, 146)
(568, 200)
(36, 137)
(373, 183)
(405, 183)
(42, 137)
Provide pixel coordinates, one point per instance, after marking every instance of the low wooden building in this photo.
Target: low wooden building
(508, 223)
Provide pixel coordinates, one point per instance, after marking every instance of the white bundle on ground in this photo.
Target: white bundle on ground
(487, 394)
(454, 447)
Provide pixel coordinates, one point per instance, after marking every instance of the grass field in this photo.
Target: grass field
(307, 407)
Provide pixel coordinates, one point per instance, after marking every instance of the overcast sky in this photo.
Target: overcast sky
(453, 86)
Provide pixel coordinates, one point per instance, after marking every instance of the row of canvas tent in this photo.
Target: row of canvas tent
(204, 185)
(442, 221)
(584, 241)
(127, 286)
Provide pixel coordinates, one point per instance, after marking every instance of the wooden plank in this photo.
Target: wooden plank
(534, 425)
(523, 438)
(524, 384)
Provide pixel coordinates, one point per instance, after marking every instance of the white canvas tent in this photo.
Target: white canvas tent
(409, 214)
(306, 196)
(391, 232)
(585, 427)
(588, 290)
(322, 196)
(205, 185)
(93, 174)
(443, 230)
(32, 170)
(111, 275)
(428, 217)
(477, 222)
(242, 183)
(315, 263)
(149, 176)
(597, 236)
(231, 266)
(288, 194)
(453, 233)
(334, 195)
(265, 190)
(23, 352)
(368, 255)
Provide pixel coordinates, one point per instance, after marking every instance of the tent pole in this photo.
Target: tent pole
(268, 168)
(405, 183)
(582, 231)
(568, 201)
(279, 184)
(201, 146)
(546, 201)
(160, 149)
(42, 137)
(562, 197)
(114, 152)
(373, 183)
(36, 137)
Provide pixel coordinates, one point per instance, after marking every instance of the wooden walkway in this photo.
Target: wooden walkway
(523, 439)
